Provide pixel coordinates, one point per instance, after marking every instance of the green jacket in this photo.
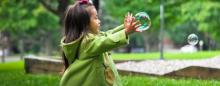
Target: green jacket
(88, 69)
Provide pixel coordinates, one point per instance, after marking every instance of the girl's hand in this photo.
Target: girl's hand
(130, 24)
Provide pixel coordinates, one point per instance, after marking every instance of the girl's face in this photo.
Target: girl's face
(94, 21)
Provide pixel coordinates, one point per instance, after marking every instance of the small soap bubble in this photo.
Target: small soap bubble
(144, 20)
(192, 39)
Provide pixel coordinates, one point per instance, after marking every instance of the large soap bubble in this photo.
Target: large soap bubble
(144, 20)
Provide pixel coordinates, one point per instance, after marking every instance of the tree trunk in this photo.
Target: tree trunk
(3, 55)
(62, 6)
(146, 41)
(60, 11)
(48, 46)
(96, 3)
(21, 48)
(4, 41)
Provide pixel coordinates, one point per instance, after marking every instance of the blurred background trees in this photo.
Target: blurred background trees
(182, 17)
(34, 26)
(28, 24)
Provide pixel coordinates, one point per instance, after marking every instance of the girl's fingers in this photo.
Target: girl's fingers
(131, 24)
(137, 31)
(135, 23)
(132, 19)
(136, 28)
(128, 14)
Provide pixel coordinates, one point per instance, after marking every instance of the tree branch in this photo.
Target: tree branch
(49, 7)
(96, 3)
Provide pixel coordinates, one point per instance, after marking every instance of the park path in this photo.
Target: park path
(11, 59)
(162, 67)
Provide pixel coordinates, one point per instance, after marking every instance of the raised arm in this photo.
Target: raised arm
(95, 45)
(114, 30)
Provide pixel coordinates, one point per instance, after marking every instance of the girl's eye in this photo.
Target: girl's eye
(96, 17)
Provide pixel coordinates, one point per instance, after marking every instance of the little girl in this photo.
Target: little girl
(85, 48)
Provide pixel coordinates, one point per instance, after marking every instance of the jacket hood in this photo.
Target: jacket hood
(71, 49)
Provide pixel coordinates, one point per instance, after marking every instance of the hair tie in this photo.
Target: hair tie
(84, 1)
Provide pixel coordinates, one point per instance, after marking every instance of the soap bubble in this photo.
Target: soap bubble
(144, 20)
(193, 39)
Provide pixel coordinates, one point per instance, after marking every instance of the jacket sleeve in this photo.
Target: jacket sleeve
(119, 28)
(105, 42)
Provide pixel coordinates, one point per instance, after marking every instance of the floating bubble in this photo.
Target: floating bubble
(193, 39)
(144, 20)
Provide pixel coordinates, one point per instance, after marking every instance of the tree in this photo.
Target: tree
(34, 23)
(205, 13)
(178, 13)
(59, 6)
(26, 21)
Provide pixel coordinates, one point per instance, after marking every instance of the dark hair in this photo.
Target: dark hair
(76, 22)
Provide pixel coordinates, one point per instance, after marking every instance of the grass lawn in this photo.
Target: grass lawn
(12, 74)
(143, 56)
(161, 81)
(12, 66)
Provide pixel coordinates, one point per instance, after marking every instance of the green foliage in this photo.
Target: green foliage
(204, 16)
(46, 20)
(181, 33)
(17, 15)
(24, 14)
(29, 21)
(32, 22)
(118, 9)
(205, 13)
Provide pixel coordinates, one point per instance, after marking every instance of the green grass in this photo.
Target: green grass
(12, 66)
(12, 74)
(143, 56)
(19, 78)
(161, 81)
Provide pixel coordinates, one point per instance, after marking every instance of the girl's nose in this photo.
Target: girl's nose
(99, 21)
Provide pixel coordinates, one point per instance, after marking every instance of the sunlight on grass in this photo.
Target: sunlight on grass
(12, 66)
(142, 56)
